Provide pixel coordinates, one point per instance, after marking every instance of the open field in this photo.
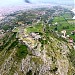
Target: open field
(63, 24)
(36, 28)
(71, 21)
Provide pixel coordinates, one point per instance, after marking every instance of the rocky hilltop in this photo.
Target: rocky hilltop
(31, 43)
(37, 53)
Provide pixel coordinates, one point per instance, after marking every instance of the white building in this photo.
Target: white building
(64, 33)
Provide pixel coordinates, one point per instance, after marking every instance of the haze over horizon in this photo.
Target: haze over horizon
(6, 3)
(7, 6)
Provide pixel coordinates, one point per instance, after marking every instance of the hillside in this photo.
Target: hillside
(31, 43)
(34, 56)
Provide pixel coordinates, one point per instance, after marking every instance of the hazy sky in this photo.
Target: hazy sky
(52, 0)
(10, 2)
(20, 2)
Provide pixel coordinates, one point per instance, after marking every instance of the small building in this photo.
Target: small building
(67, 36)
(2, 31)
(56, 23)
(73, 32)
(74, 46)
(71, 41)
(64, 33)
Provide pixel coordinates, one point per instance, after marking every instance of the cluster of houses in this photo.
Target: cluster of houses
(67, 37)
